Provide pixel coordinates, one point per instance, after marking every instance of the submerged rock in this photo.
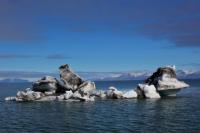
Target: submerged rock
(47, 98)
(12, 98)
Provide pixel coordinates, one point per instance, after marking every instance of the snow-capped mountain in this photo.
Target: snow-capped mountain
(95, 76)
(185, 74)
(137, 75)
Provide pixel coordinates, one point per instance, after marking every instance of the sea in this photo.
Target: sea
(167, 115)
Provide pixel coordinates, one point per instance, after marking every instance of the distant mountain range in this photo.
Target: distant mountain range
(138, 75)
(95, 76)
(13, 81)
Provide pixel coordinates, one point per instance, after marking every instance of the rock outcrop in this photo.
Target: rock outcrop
(70, 87)
(70, 79)
(45, 84)
(163, 82)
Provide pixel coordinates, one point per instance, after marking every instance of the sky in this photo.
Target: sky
(99, 35)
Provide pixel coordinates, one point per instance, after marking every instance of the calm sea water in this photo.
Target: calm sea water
(177, 114)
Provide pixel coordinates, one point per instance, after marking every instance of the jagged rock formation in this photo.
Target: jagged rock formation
(49, 84)
(165, 82)
(71, 87)
(45, 84)
(70, 79)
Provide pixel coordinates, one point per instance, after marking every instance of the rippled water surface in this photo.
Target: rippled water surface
(177, 114)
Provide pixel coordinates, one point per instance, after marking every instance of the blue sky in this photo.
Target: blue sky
(99, 35)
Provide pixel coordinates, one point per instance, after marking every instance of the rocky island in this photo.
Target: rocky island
(72, 87)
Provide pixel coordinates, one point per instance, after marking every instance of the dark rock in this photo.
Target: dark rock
(153, 79)
(46, 83)
(71, 80)
(49, 84)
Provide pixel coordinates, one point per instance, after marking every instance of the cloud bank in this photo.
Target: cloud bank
(177, 21)
(28, 56)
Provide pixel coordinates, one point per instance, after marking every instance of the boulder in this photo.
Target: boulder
(74, 82)
(87, 88)
(49, 85)
(113, 93)
(168, 71)
(85, 97)
(46, 83)
(28, 95)
(170, 83)
(147, 91)
(70, 79)
(100, 94)
(150, 92)
(140, 91)
(165, 81)
(130, 94)
(60, 97)
(48, 88)
(68, 95)
(49, 93)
